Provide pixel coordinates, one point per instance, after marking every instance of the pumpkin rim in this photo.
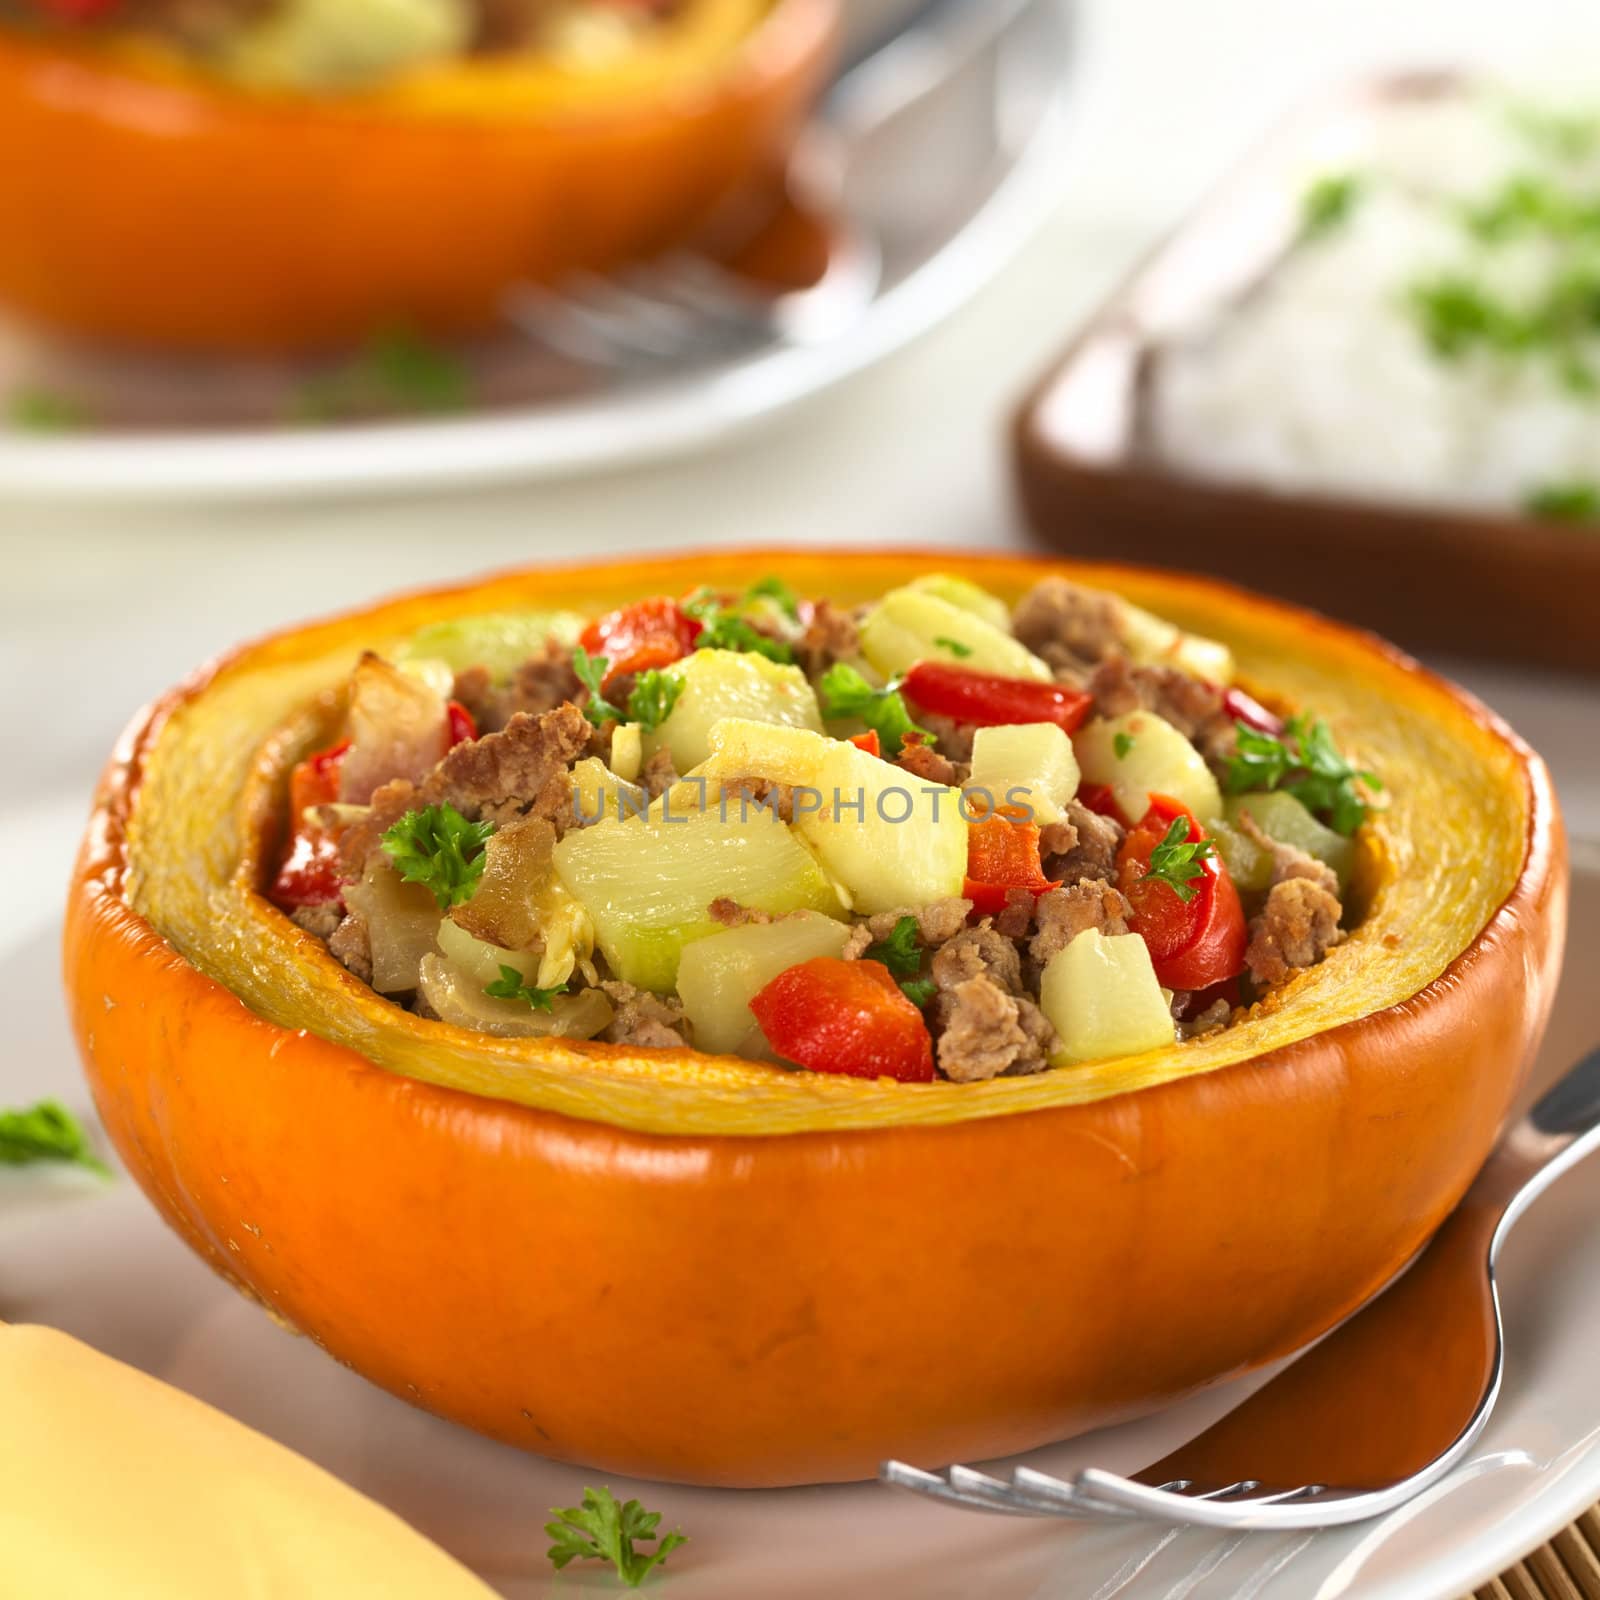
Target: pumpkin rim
(790, 32)
(118, 801)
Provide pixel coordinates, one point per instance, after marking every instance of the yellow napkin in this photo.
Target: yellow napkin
(113, 1484)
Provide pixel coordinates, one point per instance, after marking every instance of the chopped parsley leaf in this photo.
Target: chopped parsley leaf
(954, 646)
(438, 848)
(775, 589)
(652, 698)
(1575, 501)
(511, 985)
(1307, 764)
(602, 1530)
(1177, 861)
(846, 693)
(46, 1132)
(901, 953)
(1328, 204)
(591, 671)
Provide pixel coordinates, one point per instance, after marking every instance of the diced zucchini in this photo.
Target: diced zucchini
(1033, 760)
(1101, 996)
(765, 750)
(1248, 864)
(402, 925)
(1153, 639)
(890, 838)
(458, 998)
(967, 595)
(1155, 759)
(728, 683)
(1280, 816)
(498, 640)
(647, 883)
(906, 625)
(718, 977)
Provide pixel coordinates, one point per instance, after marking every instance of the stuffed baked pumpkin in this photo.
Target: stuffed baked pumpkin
(932, 1200)
(282, 175)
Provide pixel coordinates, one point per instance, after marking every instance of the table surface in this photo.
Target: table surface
(100, 608)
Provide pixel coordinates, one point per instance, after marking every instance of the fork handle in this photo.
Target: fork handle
(1562, 1129)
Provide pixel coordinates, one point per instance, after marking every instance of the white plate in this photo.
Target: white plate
(95, 1261)
(949, 188)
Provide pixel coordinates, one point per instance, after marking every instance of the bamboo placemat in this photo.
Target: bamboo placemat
(1568, 1568)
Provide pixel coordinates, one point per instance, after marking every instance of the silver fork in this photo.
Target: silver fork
(1367, 1419)
(684, 309)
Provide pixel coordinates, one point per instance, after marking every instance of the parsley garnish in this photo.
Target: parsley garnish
(591, 671)
(438, 848)
(1177, 861)
(954, 646)
(722, 628)
(1122, 743)
(394, 371)
(901, 953)
(845, 693)
(511, 985)
(775, 589)
(650, 701)
(45, 411)
(1578, 501)
(1327, 204)
(654, 695)
(46, 1132)
(602, 1530)
(1307, 764)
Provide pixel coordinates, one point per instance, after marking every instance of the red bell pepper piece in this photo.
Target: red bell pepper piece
(649, 633)
(990, 701)
(1245, 708)
(460, 724)
(1193, 943)
(846, 1017)
(309, 874)
(868, 741)
(1002, 855)
(1098, 797)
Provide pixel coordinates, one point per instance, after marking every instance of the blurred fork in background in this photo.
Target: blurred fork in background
(880, 165)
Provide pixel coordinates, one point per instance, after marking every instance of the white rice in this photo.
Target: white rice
(1321, 379)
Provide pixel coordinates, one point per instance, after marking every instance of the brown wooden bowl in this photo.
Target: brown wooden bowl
(1434, 578)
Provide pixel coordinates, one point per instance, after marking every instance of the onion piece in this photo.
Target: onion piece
(402, 924)
(397, 729)
(459, 1000)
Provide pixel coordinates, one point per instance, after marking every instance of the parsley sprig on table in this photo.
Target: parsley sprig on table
(46, 1132)
(650, 701)
(438, 848)
(602, 1530)
(1177, 861)
(901, 953)
(1306, 763)
(845, 693)
(511, 985)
